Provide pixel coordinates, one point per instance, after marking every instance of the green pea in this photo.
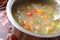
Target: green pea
(20, 21)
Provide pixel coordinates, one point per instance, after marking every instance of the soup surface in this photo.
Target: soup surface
(37, 18)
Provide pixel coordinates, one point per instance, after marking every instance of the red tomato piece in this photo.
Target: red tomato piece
(29, 13)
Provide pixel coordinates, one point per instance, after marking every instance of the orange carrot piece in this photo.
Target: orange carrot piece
(27, 27)
(22, 24)
(51, 7)
(56, 21)
(40, 11)
(47, 25)
(45, 16)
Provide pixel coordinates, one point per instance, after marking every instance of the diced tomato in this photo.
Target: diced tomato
(29, 13)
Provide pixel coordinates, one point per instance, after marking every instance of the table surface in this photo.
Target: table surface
(4, 25)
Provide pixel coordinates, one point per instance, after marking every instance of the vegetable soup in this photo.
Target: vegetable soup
(37, 18)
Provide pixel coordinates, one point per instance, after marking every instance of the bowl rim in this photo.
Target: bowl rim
(10, 17)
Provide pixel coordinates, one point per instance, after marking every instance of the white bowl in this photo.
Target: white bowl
(12, 20)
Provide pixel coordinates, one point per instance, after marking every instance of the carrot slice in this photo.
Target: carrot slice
(51, 7)
(45, 16)
(21, 23)
(40, 11)
(48, 24)
(56, 21)
(27, 27)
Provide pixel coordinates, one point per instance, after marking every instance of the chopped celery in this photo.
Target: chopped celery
(18, 12)
(45, 31)
(37, 22)
(48, 30)
(52, 16)
(20, 21)
(36, 15)
(58, 26)
(37, 31)
(53, 24)
(46, 6)
(49, 12)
